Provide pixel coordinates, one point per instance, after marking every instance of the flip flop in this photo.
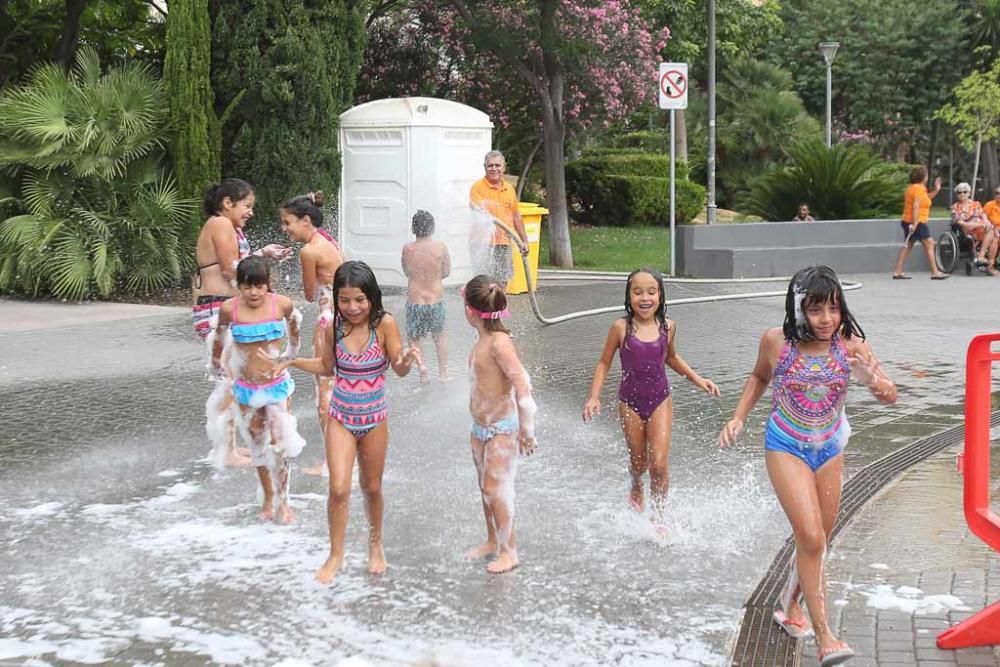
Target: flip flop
(901, 276)
(796, 629)
(943, 276)
(835, 656)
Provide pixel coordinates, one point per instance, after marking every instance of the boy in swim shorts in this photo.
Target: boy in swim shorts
(426, 263)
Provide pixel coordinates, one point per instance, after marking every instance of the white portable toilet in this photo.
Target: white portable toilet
(401, 155)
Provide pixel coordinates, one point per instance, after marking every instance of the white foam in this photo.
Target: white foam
(90, 651)
(45, 509)
(169, 473)
(911, 600)
(878, 566)
(15, 648)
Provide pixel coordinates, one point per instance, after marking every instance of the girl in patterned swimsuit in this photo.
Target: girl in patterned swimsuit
(644, 339)
(253, 328)
(808, 363)
(365, 342)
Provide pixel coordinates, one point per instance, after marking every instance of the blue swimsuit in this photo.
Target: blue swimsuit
(267, 393)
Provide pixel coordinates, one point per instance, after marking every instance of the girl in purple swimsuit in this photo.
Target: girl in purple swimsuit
(644, 339)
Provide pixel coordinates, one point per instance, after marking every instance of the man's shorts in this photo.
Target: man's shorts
(922, 232)
(423, 319)
(496, 262)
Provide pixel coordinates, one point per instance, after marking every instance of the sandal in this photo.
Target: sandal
(796, 628)
(834, 655)
(900, 276)
(940, 276)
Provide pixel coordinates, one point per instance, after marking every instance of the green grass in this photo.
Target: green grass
(614, 248)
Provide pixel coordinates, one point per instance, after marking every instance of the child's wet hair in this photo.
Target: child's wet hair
(422, 224)
(810, 286)
(360, 275)
(253, 270)
(234, 188)
(308, 204)
(485, 295)
(661, 308)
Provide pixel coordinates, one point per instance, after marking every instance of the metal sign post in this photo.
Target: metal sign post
(673, 96)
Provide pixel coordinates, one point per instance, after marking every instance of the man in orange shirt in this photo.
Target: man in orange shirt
(495, 198)
(992, 208)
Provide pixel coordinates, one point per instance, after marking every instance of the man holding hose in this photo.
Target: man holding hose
(916, 210)
(494, 197)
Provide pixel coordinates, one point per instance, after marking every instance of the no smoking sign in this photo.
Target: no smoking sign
(673, 85)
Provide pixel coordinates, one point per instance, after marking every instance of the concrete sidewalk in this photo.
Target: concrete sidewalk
(17, 315)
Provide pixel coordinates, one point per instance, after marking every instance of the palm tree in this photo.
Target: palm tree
(80, 160)
(839, 183)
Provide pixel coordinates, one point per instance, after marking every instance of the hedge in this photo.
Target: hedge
(630, 163)
(625, 201)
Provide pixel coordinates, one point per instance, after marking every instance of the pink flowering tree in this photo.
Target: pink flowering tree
(560, 66)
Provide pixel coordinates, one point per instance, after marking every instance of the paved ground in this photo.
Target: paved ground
(122, 546)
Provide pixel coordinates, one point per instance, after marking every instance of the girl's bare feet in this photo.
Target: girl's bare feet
(285, 514)
(329, 569)
(484, 550)
(376, 559)
(637, 498)
(267, 511)
(505, 562)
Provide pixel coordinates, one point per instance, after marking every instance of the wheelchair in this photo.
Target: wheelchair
(954, 246)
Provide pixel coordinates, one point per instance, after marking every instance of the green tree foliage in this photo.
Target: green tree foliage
(295, 63)
(896, 66)
(196, 142)
(986, 29)
(119, 30)
(844, 182)
(976, 111)
(93, 210)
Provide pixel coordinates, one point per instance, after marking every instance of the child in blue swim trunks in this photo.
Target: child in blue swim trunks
(254, 329)
(644, 339)
(503, 418)
(808, 362)
(426, 263)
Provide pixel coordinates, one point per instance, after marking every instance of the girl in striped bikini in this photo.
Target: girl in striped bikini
(808, 363)
(365, 343)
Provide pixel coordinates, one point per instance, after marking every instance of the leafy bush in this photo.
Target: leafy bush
(92, 209)
(654, 141)
(630, 163)
(844, 182)
(601, 191)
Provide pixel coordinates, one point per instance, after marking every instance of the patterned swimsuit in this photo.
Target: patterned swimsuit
(358, 400)
(807, 412)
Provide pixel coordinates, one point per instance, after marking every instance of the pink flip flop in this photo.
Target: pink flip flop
(798, 629)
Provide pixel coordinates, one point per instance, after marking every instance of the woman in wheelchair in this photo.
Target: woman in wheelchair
(967, 217)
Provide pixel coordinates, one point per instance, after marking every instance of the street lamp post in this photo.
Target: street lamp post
(711, 208)
(829, 50)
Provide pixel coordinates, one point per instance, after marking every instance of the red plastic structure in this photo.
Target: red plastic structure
(982, 629)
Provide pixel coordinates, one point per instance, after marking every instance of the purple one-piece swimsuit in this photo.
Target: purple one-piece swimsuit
(644, 380)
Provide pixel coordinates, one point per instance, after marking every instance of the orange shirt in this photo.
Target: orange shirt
(499, 201)
(992, 211)
(916, 192)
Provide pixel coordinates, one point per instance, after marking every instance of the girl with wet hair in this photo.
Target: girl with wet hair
(320, 257)
(645, 342)
(503, 418)
(364, 342)
(254, 327)
(808, 363)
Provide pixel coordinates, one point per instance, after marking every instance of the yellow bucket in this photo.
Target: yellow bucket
(531, 215)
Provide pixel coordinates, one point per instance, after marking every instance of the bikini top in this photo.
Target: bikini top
(242, 244)
(809, 391)
(325, 234)
(258, 332)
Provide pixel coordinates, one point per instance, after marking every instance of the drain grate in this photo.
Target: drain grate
(760, 641)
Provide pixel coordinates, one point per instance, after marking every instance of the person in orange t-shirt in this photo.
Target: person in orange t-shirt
(496, 198)
(916, 211)
(991, 209)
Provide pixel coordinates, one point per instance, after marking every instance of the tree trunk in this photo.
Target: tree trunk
(991, 169)
(931, 151)
(66, 50)
(528, 163)
(975, 167)
(682, 135)
(554, 135)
